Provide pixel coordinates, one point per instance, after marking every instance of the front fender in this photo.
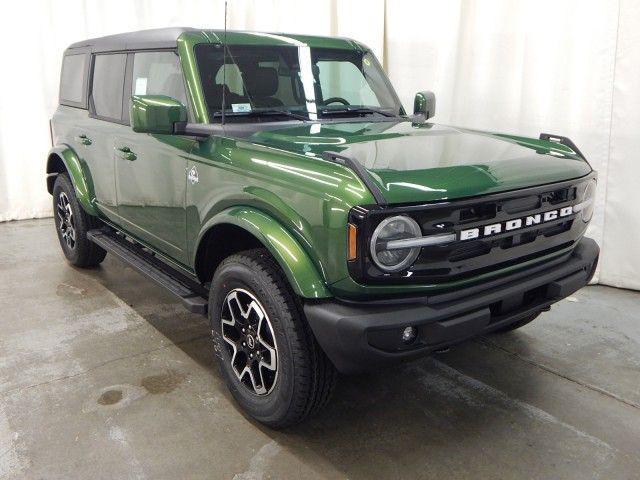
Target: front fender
(76, 172)
(300, 270)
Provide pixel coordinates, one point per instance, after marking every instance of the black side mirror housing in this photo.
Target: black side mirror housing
(424, 104)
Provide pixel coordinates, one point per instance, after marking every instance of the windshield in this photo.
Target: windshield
(293, 81)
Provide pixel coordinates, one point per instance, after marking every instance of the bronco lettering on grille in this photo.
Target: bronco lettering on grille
(515, 224)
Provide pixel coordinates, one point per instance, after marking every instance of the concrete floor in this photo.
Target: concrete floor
(104, 375)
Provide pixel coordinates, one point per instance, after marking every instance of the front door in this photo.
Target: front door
(151, 174)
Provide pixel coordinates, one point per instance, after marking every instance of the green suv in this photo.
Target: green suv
(276, 184)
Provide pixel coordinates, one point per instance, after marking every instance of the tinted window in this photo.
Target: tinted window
(158, 73)
(108, 79)
(72, 78)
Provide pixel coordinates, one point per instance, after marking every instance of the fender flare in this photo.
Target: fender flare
(76, 172)
(298, 267)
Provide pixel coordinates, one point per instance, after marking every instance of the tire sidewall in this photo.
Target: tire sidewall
(63, 184)
(230, 275)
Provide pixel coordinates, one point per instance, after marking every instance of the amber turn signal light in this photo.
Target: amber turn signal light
(353, 242)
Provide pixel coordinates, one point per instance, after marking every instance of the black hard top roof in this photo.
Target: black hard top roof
(155, 38)
(168, 38)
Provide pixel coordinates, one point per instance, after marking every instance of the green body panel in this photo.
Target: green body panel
(309, 198)
(419, 102)
(296, 264)
(186, 42)
(151, 189)
(78, 173)
(169, 190)
(156, 113)
(413, 163)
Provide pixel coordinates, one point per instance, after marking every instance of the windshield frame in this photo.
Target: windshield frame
(310, 109)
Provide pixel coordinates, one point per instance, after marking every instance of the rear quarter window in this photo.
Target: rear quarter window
(72, 80)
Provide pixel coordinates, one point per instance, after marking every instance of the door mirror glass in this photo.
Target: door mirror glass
(425, 104)
(156, 113)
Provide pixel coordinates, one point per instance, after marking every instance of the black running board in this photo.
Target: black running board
(192, 294)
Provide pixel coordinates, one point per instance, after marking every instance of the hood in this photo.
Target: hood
(428, 162)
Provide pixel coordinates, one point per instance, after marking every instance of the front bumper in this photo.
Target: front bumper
(359, 336)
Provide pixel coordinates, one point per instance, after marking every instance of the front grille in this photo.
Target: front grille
(463, 259)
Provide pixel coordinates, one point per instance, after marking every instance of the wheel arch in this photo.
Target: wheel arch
(242, 228)
(62, 159)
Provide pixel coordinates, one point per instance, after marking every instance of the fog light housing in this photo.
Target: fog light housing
(409, 334)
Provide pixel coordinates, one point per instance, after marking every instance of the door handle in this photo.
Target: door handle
(125, 153)
(83, 139)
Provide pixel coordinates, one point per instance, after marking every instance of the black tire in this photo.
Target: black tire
(518, 324)
(304, 377)
(72, 229)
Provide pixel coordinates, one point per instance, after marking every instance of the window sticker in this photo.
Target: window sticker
(241, 107)
(141, 86)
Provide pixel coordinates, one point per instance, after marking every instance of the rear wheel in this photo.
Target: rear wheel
(271, 361)
(518, 324)
(72, 224)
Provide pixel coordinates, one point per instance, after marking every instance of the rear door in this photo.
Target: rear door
(106, 120)
(151, 168)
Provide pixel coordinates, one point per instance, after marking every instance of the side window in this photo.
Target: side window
(158, 73)
(108, 83)
(74, 71)
(345, 80)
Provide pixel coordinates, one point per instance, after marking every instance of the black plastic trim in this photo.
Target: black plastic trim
(359, 170)
(566, 141)
(360, 336)
(193, 296)
(366, 217)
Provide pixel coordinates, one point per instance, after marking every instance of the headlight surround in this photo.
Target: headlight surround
(588, 201)
(394, 228)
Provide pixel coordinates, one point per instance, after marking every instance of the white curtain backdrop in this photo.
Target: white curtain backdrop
(565, 66)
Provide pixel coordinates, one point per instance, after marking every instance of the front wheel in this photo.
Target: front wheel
(268, 356)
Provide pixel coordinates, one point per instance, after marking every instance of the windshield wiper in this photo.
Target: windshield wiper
(342, 111)
(276, 111)
(257, 113)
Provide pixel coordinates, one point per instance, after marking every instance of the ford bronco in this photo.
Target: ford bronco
(276, 184)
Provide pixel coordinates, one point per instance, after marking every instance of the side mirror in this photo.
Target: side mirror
(156, 113)
(425, 104)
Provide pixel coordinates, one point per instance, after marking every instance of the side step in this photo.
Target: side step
(192, 294)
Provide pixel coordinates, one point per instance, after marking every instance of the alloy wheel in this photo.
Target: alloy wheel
(66, 220)
(250, 340)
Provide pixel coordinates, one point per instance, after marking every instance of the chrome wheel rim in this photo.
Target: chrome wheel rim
(250, 341)
(66, 222)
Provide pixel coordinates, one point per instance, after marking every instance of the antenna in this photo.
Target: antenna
(224, 64)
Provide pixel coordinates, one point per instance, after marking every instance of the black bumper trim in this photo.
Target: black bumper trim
(359, 336)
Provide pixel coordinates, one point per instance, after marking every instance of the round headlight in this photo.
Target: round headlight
(588, 201)
(394, 228)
